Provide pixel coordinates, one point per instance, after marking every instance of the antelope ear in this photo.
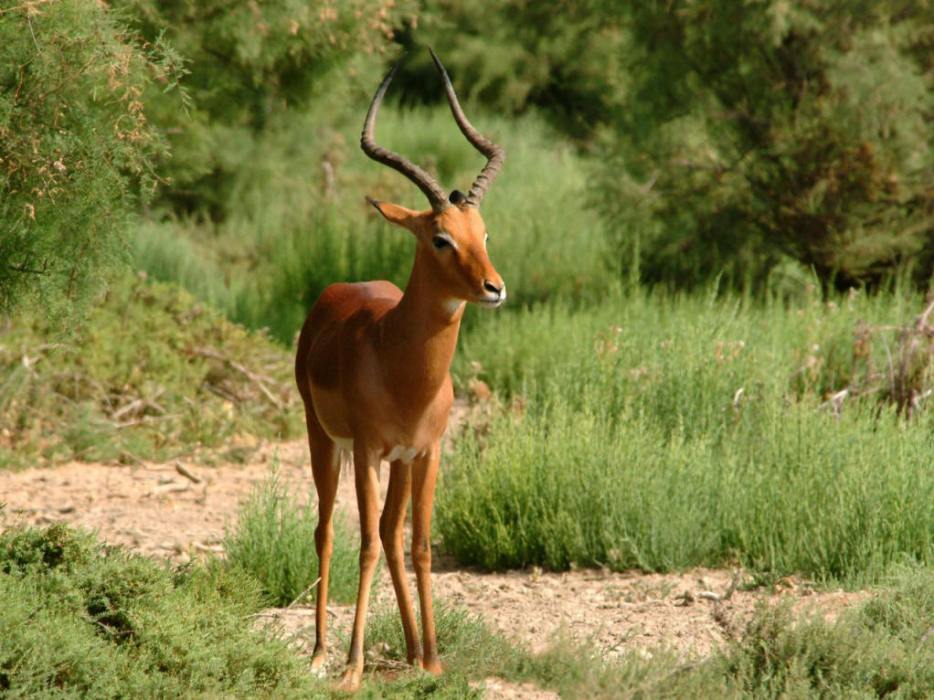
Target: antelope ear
(401, 216)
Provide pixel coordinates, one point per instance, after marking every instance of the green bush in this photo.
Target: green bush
(879, 649)
(94, 622)
(249, 65)
(567, 61)
(97, 622)
(274, 540)
(76, 145)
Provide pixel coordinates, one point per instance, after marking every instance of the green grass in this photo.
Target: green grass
(152, 373)
(629, 443)
(274, 541)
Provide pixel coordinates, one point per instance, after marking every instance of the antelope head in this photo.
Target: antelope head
(451, 234)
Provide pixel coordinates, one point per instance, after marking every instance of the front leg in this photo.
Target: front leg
(391, 526)
(424, 475)
(366, 477)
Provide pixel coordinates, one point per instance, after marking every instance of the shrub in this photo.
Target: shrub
(151, 374)
(101, 623)
(76, 145)
(875, 650)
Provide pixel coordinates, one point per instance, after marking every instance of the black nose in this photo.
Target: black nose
(490, 287)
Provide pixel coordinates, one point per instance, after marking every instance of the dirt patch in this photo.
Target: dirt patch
(157, 510)
(506, 690)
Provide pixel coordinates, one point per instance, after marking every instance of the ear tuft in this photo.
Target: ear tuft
(457, 197)
(373, 202)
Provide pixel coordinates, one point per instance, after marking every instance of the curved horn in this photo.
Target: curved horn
(419, 177)
(495, 154)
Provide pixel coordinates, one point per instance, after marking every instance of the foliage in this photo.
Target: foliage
(565, 59)
(93, 621)
(760, 130)
(881, 648)
(96, 622)
(249, 66)
(76, 145)
(274, 541)
(663, 433)
(151, 374)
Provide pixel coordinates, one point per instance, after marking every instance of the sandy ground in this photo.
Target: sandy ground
(158, 510)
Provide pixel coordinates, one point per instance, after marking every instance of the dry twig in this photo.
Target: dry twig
(257, 379)
(181, 469)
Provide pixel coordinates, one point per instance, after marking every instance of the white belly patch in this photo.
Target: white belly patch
(402, 454)
(344, 444)
(397, 453)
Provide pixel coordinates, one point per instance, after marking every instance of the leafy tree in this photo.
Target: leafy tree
(249, 65)
(76, 147)
(565, 58)
(757, 130)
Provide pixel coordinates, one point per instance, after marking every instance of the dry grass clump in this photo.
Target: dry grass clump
(151, 374)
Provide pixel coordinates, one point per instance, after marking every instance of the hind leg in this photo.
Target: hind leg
(325, 468)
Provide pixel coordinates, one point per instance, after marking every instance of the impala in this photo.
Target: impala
(372, 368)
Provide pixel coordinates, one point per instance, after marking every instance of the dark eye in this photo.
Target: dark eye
(441, 242)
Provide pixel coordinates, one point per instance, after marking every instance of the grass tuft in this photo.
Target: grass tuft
(274, 541)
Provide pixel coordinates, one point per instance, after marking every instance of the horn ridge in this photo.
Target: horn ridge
(495, 154)
(425, 182)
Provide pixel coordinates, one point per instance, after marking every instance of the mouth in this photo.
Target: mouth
(491, 302)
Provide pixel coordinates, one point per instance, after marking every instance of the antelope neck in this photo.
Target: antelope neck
(425, 328)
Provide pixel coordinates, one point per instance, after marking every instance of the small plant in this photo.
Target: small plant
(465, 643)
(274, 541)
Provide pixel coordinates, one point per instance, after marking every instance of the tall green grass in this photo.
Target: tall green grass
(665, 432)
